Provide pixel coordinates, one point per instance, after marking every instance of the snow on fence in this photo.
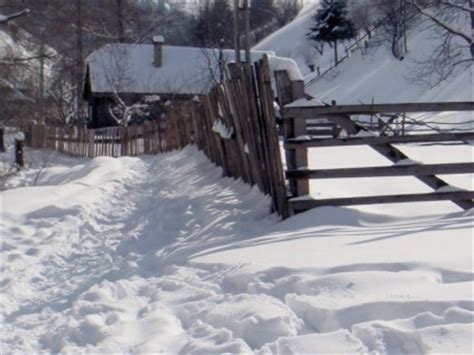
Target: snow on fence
(235, 126)
(297, 110)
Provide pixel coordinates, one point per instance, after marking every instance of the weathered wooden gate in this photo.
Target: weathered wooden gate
(298, 109)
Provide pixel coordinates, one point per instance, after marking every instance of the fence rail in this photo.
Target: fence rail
(306, 121)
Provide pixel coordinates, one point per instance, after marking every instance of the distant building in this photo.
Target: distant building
(132, 73)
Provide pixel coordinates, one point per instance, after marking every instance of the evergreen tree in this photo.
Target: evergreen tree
(332, 24)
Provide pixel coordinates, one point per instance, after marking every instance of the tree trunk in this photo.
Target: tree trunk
(471, 3)
(41, 79)
(405, 40)
(120, 21)
(79, 60)
(335, 53)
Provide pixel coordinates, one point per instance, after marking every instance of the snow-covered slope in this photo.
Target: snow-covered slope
(375, 76)
(289, 41)
(162, 254)
(379, 77)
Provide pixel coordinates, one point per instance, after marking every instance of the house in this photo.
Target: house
(131, 73)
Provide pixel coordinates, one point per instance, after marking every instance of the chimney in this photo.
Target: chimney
(158, 51)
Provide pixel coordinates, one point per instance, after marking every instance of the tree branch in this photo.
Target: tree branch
(440, 23)
(6, 18)
(457, 6)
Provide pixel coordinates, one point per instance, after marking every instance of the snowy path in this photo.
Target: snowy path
(162, 254)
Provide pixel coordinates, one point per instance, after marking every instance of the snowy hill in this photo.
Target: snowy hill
(379, 77)
(289, 41)
(372, 77)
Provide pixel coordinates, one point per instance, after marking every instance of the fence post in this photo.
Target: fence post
(2, 144)
(289, 91)
(19, 145)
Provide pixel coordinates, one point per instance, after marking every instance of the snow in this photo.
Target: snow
(161, 253)
(220, 128)
(289, 65)
(20, 136)
(158, 39)
(289, 41)
(129, 68)
(378, 77)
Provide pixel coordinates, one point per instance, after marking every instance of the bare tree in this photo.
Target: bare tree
(452, 24)
(397, 18)
(443, 13)
(286, 10)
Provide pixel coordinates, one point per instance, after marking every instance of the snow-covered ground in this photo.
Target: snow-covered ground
(162, 254)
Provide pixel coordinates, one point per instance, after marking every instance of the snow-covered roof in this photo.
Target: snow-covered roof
(129, 68)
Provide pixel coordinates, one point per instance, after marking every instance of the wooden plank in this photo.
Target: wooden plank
(273, 148)
(418, 138)
(395, 155)
(293, 127)
(395, 170)
(318, 132)
(302, 110)
(306, 204)
(254, 131)
(90, 147)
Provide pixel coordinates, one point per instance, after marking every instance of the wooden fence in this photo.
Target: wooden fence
(234, 126)
(298, 110)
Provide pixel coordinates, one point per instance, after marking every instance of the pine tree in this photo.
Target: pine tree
(332, 24)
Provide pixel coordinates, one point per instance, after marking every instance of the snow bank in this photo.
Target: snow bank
(64, 188)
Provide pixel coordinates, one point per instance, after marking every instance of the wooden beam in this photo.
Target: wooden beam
(333, 142)
(395, 170)
(302, 110)
(301, 205)
(314, 132)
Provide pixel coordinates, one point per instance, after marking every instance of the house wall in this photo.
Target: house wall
(99, 113)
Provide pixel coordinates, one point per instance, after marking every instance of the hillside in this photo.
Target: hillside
(375, 76)
(289, 41)
(379, 77)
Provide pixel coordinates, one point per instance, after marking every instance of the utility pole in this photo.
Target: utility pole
(237, 33)
(246, 10)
